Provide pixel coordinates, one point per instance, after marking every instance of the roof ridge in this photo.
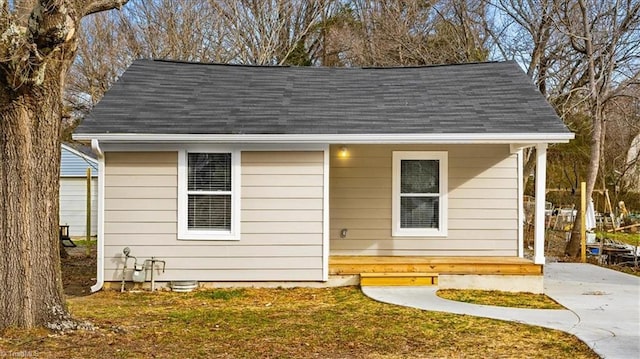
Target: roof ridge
(437, 65)
(327, 67)
(213, 63)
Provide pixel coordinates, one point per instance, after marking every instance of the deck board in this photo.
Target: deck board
(341, 265)
(398, 279)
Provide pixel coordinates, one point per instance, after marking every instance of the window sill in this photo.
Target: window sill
(210, 236)
(419, 233)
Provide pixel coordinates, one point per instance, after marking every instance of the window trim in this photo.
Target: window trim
(442, 157)
(184, 233)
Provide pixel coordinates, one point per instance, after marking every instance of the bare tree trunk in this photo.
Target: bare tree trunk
(29, 175)
(597, 135)
(529, 165)
(574, 245)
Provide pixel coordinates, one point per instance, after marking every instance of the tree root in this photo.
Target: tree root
(62, 322)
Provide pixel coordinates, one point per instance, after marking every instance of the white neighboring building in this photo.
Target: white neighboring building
(633, 177)
(73, 190)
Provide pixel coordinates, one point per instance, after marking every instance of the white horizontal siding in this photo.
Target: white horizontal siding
(205, 251)
(482, 209)
(155, 192)
(281, 215)
(433, 244)
(224, 275)
(281, 203)
(442, 252)
(143, 216)
(377, 235)
(73, 205)
(238, 263)
(288, 180)
(282, 227)
(253, 239)
(454, 223)
(281, 219)
(140, 204)
(74, 165)
(279, 192)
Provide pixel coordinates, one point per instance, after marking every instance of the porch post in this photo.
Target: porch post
(521, 216)
(541, 177)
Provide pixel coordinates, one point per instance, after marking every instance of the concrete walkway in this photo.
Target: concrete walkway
(603, 306)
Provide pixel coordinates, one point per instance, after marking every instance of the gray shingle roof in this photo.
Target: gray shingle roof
(163, 97)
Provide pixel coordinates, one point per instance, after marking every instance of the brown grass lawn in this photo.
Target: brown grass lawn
(276, 323)
(281, 323)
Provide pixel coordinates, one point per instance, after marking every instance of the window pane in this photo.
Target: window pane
(420, 176)
(419, 212)
(209, 172)
(209, 212)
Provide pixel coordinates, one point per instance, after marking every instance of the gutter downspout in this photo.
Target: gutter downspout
(95, 146)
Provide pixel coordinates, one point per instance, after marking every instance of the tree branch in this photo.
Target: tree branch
(50, 25)
(5, 16)
(95, 6)
(4, 9)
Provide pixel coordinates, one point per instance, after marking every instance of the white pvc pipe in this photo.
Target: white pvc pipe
(100, 240)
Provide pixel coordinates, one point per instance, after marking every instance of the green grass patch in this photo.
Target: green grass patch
(501, 299)
(628, 238)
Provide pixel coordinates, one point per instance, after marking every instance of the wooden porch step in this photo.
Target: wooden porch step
(398, 279)
(351, 265)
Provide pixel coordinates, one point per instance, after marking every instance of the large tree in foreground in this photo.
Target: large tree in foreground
(38, 41)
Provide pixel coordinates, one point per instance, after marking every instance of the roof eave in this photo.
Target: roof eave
(79, 154)
(417, 138)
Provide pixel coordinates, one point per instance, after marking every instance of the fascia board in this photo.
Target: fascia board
(438, 138)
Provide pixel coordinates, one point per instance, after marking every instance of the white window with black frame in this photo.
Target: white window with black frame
(419, 193)
(208, 207)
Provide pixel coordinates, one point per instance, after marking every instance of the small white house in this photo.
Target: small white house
(307, 174)
(73, 190)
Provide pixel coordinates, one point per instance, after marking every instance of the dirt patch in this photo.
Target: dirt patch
(79, 271)
(556, 242)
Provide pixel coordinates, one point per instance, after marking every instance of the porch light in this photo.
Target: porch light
(344, 153)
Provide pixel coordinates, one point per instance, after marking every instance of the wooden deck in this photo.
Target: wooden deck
(347, 265)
